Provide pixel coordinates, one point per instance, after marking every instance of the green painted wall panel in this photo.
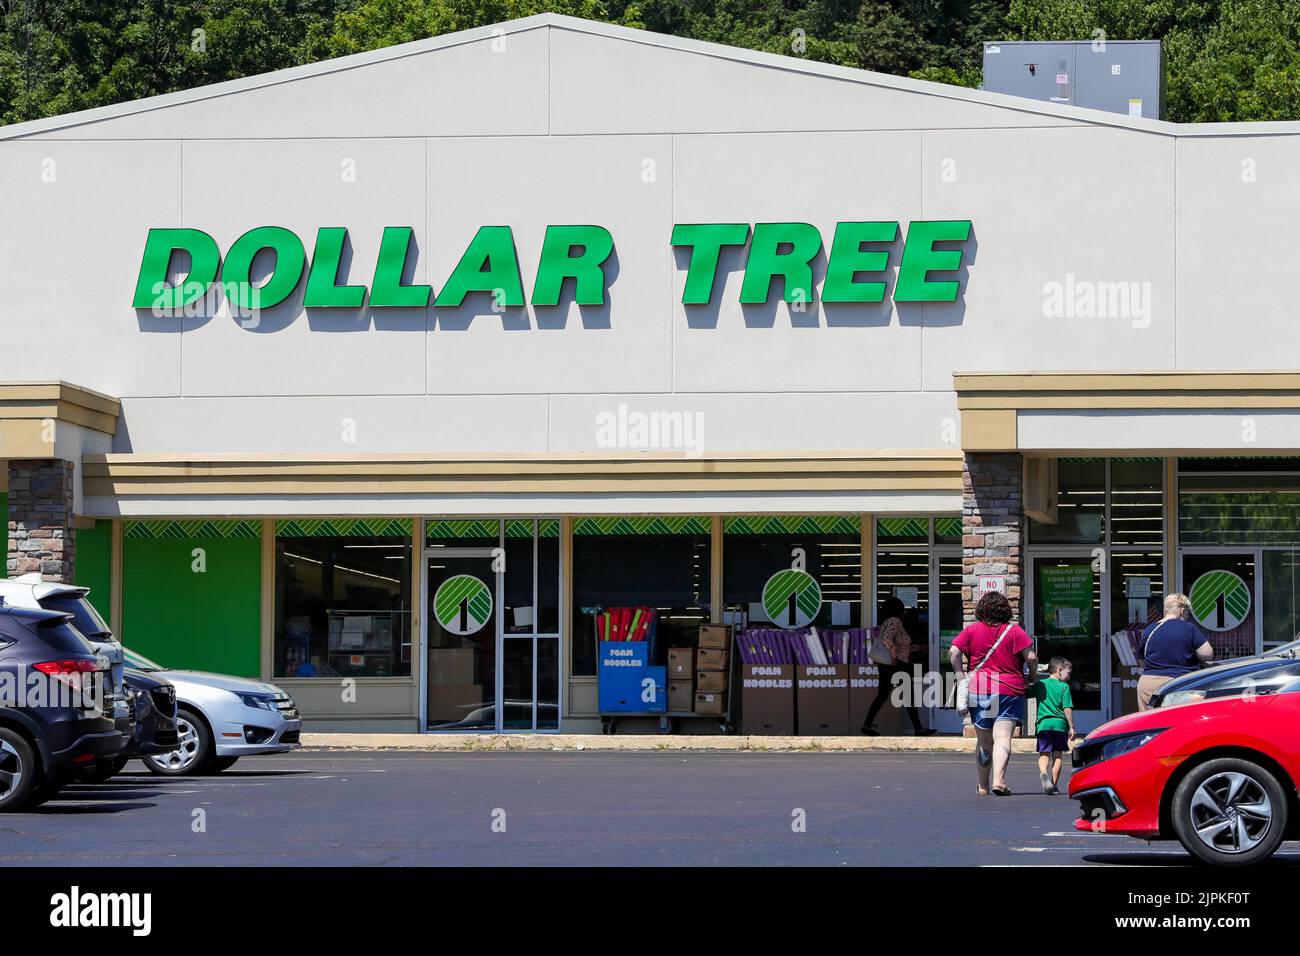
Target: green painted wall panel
(94, 564)
(207, 621)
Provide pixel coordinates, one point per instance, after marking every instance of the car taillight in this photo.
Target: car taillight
(80, 675)
(70, 666)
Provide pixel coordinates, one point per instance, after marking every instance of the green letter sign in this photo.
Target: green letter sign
(289, 261)
(855, 273)
(151, 288)
(488, 265)
(784, 249)
(848, 258)
(920, 258)
(706, 241)
(387, 289)
(322, 291)
(586, 269)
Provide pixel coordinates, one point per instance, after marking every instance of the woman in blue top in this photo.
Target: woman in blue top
(1170, 648)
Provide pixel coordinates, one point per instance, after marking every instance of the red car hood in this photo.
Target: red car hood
(1176, 716)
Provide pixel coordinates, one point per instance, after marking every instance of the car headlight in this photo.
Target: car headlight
(263, 701)
(1128, 743)
(1179, 697)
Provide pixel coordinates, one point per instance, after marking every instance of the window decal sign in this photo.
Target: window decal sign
(462, 604)
(1220, 600)
(792, 598)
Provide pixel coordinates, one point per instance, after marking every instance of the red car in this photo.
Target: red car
(1219, 775)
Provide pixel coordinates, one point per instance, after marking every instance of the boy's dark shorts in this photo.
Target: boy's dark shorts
(1053, 741)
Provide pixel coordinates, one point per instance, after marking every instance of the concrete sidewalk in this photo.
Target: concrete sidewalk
(469, 743)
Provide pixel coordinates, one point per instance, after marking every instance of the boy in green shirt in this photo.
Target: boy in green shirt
(1055, 722)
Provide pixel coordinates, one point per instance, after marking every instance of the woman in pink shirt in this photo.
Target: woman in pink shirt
(996, 650)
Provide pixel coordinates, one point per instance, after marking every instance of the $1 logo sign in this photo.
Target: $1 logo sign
(462, 604)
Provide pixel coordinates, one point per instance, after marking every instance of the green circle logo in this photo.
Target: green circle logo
(462, 604)
(792, 598)
(1220, 600)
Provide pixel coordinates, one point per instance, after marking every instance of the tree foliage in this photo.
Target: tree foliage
(1225, 59)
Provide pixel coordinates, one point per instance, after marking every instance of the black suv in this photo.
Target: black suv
(153, 707)
(52, 707)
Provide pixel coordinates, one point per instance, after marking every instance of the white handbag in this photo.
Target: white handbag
(963, 685)
(879, 651)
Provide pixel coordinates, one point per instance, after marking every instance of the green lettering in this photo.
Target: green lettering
(289, 262)
(920, 258)
(387, 290)
(768, 259)
(706, 241)
(152, 290)
(322, 288)
(489, 265)
(559, 263)
(848, 258)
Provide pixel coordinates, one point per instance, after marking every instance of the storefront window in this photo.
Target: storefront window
(1137, 589)
(660, 562)
(756, 547)
(532, 576)
(343, 600)
(1281, 597)
(903, 531)
(947, 531)
(1081, 504)
(1137, 501)
(462, 533)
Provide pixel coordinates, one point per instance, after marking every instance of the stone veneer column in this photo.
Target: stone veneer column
(41, 536)
(992, 525)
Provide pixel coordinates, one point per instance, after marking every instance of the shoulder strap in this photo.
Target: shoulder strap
(985, 659)
(1146, 641)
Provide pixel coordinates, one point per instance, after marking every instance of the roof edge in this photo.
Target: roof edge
(1072, 114)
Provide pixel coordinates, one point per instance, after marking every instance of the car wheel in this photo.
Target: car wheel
(221, 763)
(193, 753)
(17, 771)
(1230, 812)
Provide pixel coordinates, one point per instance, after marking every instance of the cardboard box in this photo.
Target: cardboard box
(822, 699)
(451, 665)
(710, 703)
(767, 699)
(681, 696)
(711, 681)
(717, 636)
(681, 663)
(1125, 683)
(710, 659)
(864, 685)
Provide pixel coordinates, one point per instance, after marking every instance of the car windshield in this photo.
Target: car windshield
(84, 616)
(139, 661)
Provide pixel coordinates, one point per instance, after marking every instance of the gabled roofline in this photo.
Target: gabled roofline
(1074, 114)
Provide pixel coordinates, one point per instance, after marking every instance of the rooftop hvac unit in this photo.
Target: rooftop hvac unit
(1118, 76)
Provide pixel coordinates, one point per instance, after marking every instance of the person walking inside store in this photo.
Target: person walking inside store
(899, 642)
(998, 652)
(1170, 648)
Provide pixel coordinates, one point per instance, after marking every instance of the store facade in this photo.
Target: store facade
(386, 377)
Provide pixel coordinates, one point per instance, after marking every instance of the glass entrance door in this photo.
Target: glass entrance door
(462, 627)
(945, 626)
(1067, 622)
(1223, 588)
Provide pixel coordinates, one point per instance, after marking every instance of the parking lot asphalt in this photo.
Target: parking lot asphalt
(644, 809)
